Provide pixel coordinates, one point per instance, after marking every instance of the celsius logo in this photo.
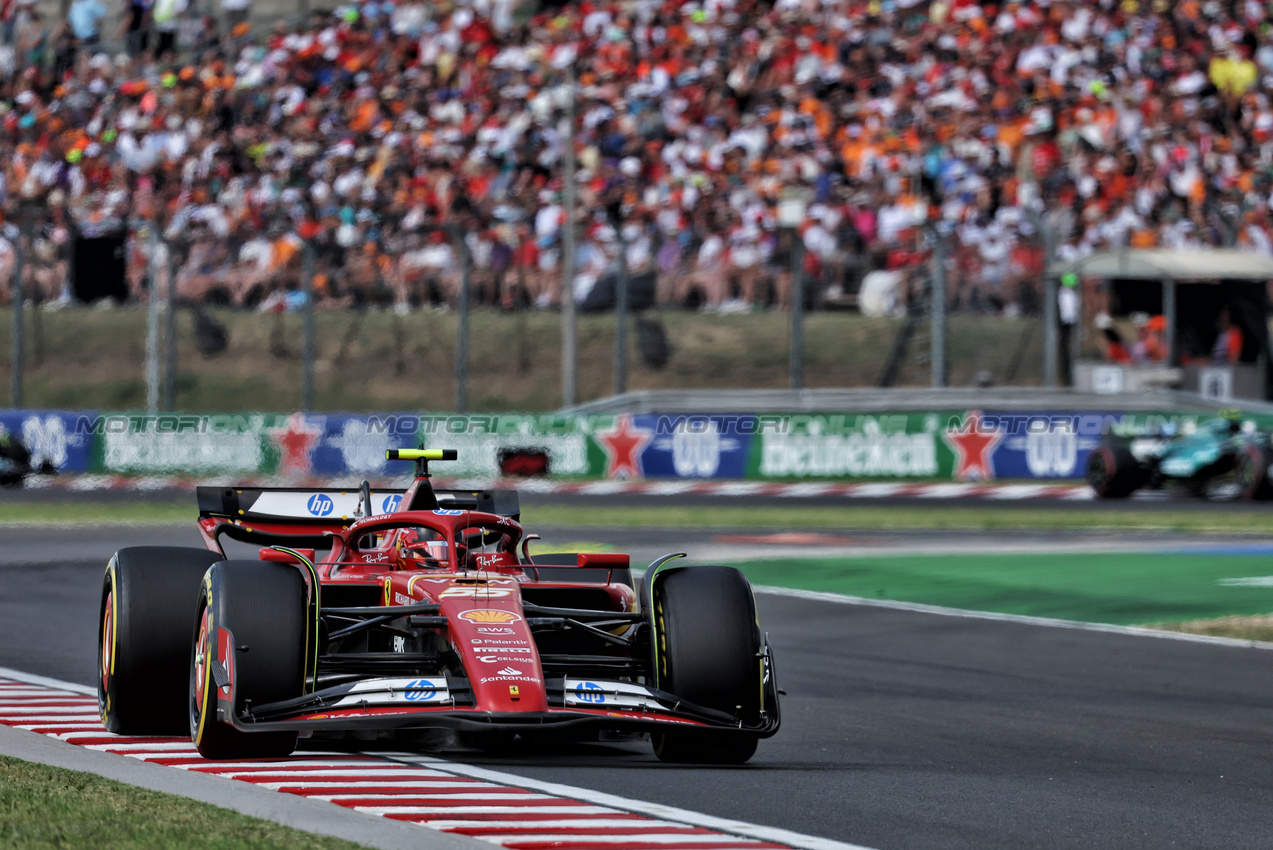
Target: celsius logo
(320, 505)
(420, 689)
(590, 692)
(392, 503)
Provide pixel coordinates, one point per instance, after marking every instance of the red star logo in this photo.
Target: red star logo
(623, 446)
(973, 445)
(296, 440)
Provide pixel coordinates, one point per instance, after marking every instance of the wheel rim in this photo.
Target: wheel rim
(108, 647)
(199, 671)
(1099, 471)
(1247, 472)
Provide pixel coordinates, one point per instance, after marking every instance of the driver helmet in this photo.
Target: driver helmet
(423, 548)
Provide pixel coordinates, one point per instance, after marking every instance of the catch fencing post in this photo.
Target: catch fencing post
(1051, 331)
(152, 319)
(621, 312)
(462, 331)
(569, 338)
(792, 207)
(170, 334)
(797, 310)
(937, 306)
(18, 298)
(307, 346)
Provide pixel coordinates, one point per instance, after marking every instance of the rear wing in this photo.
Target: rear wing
(336, 507)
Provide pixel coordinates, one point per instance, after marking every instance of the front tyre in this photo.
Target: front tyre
(709, 653)
(143, 638)
(262, 607)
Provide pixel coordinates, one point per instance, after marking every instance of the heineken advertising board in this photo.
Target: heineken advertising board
(931, 445)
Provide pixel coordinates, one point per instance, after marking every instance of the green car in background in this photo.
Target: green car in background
(1221, 458)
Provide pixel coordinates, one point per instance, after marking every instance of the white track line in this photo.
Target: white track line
(1024, 619)
(483, 810)
(55, 684)
(657, 810)
(682, 838)
(512, 826)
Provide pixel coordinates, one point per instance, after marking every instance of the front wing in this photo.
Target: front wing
(444, 702)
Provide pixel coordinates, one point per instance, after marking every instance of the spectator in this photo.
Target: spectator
(1228, 344)
(167, 16)
(85, 21)
(1067, 302)
(235, 12)
(1120, 123)
(136, 26)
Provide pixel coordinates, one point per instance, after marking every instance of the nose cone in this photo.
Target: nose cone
(492, 638)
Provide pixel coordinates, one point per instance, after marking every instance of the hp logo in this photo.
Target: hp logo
(320, 505)
(391, 504)
(590, 692)
(420, 689)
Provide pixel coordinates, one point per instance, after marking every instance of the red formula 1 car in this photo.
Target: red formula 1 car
(428, 615)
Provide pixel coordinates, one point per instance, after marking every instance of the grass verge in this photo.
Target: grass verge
(50, 807)
(850, 516)
(1125, 588)
(1259, 627)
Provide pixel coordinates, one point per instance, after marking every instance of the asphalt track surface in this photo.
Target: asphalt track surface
(900, 729)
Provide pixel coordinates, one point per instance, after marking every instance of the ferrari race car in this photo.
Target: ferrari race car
(422, 613)
(1220, 455)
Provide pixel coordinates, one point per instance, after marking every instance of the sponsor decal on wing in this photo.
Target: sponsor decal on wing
(591, 693)
(421, 691)
(486, 616)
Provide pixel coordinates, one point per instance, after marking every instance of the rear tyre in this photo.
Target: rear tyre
(1251, 471)
(709, 654)
(263, 605)
(1113, 473)
(149, 594)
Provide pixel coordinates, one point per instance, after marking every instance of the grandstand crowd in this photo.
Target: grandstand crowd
(394, 148)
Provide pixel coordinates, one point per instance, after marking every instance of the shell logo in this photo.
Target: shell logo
(486, 615)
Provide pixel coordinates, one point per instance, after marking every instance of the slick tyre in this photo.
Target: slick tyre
(1251, 471)
(263, 606)
(149, 594)
(1113, 473)
(708, 645)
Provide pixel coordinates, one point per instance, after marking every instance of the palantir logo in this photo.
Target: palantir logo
(590, 692)
(320, 505)
(420, 689)
(391, 504)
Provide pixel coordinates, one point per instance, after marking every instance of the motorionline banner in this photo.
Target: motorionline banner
(950, 445)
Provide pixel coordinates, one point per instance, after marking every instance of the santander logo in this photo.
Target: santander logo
(510, 671)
